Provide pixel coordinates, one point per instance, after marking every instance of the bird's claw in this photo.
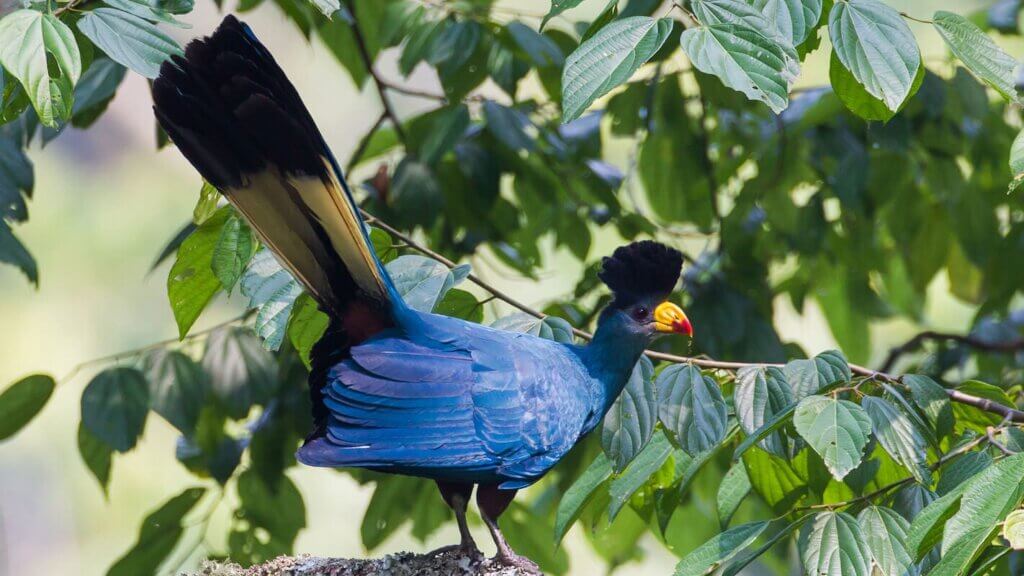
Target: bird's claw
(521, 562)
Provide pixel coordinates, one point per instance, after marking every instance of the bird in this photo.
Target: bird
(394, 389)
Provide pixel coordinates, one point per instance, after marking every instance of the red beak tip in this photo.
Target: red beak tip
(683, 327)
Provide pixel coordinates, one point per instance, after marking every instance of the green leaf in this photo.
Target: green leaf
(607, 16)
(734, 567)
(327, 7)
(95, 90)
(774, 479)
(719, 549)
(743, 59)
(691, 407)
(158, 536)
(580, 494)
(20, 403)
(129, 40)
(508, 125)
(979, 52)
(926, 528)
(16, 178)
(629, 424)
(734, 488)
(899, 437)
(96, 455)
(551, 328)
(838, 430)
(538, 48)
(177, 388)
(793, 19)
(967, 416)
(28, 39)
(422, 282)
(272, 292)
(557, 7)
(13, 252)
(232, 253)
(279, 510)
(833, 545)
(810, 376)
(885, 533)
(461, 304)
(306, 326)
(1013, 529)
(447, 127)
(241, 372)
(960, 470)
(608, 59)
(191, 283)
(1017, 162)
(415, 193)
(206, 207)
(777, 421)
(389, 508)
(646, 464)
(761, 393)
(146, 10)
(856, 97)
(988, 498)
(874, 43)
(933, 401)
(114, 407)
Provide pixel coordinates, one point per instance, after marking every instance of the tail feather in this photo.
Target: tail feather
(236, 117)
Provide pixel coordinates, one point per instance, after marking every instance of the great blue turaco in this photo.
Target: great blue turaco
(394, 389)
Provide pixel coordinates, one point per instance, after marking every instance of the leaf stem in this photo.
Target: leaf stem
(921, 20)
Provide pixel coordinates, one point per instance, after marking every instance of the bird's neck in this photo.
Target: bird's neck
(611, 355)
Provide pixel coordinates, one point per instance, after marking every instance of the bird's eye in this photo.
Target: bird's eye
(640, 313)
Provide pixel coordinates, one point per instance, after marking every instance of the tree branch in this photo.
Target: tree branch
(918, 341)
(364, 143)
(980, 403)
(364, 54)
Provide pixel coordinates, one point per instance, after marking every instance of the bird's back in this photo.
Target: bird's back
(448, 399)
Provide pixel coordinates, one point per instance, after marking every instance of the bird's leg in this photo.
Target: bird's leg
(457, 497)
(492, 502)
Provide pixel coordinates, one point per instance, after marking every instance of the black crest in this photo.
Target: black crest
(641, 269)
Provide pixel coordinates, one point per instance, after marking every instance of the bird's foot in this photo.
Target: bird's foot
(509, 558)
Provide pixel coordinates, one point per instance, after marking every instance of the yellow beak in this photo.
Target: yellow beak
(670, 318)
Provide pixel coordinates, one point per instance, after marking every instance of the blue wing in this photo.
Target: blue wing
(456, 401)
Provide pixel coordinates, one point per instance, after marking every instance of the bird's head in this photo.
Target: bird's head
(641, 277)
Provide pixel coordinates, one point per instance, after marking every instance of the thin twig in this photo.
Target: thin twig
(147, 348)
(918, 341)
(954, 395)
(915, 19)
(990, 433)
(364, 143)
(889, 487)
(364, 54)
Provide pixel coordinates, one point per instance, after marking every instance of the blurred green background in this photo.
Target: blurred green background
(106, 201)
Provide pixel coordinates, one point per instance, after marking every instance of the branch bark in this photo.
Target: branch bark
(381, 86)
(918, 341)
(1011, 414)
(400, 564)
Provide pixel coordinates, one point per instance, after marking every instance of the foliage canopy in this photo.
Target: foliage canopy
(855, 196)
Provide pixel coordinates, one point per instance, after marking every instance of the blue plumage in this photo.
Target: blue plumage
(458, 401)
